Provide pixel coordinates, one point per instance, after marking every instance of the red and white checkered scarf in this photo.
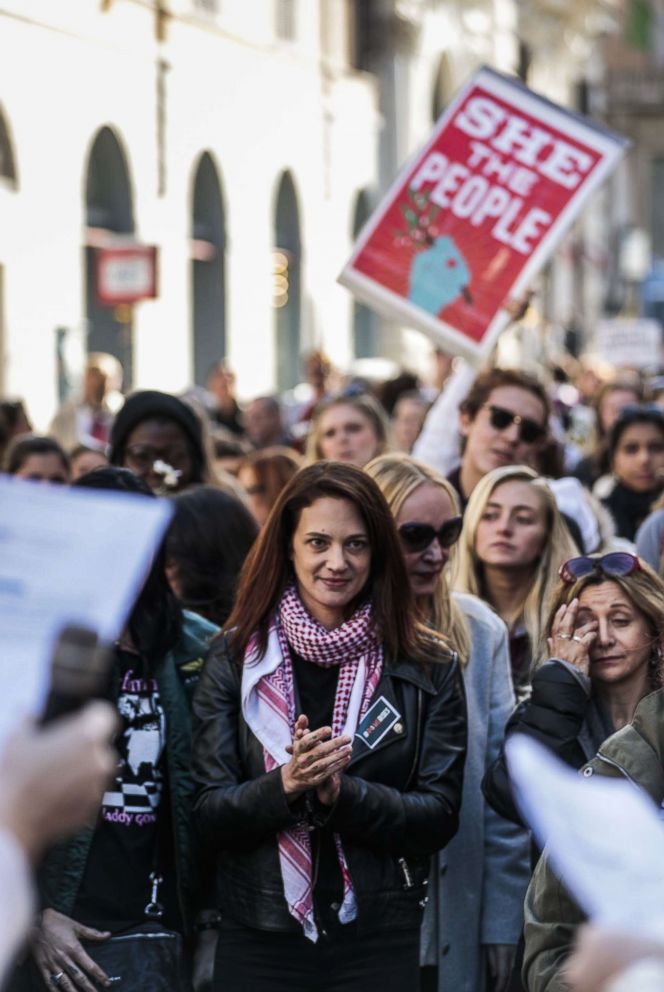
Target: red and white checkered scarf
(268, 706)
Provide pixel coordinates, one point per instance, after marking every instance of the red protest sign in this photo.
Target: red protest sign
(478, 211)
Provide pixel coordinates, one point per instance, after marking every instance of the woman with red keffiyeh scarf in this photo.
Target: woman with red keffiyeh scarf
(330, 737)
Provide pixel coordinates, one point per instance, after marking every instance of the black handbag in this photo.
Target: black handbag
(147, 958)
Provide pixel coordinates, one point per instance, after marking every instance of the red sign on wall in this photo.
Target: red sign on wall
(126, 274)
(478, 211)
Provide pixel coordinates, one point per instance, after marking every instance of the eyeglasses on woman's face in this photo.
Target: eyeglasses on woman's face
(500, 419)
(417, 537)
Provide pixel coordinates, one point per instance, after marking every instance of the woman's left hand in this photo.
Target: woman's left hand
(500, 958)
(570, 641)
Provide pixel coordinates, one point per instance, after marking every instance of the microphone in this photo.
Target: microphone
(80, 671)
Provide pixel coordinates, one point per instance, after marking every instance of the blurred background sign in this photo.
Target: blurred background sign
(630, 343)
(126, 274)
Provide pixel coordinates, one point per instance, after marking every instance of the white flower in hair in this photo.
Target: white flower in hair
(169, 475)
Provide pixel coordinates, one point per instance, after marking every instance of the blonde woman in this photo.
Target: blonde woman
(474, 914)
(348, 428)
(511, 547)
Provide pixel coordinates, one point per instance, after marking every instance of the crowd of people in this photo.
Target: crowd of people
(364, 588)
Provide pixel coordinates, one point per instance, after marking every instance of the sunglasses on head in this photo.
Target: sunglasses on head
(616, 563)
(418, 537)
(500, 419)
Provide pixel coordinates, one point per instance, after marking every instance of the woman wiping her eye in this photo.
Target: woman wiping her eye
(604, 645)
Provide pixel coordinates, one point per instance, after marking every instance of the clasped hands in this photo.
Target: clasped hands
(317, 760)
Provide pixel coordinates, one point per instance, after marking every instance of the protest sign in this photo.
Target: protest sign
(478, 211)
(634, 343)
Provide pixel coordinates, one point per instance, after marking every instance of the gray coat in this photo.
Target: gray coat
(478, 883)
(649, 539)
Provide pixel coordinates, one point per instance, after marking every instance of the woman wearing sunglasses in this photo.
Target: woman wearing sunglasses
(474, 915)
(636, 455)
(605, 639)
(330, 736)
(511, 546)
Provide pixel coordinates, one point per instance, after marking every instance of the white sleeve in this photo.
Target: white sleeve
(17, 902)
(438, 443)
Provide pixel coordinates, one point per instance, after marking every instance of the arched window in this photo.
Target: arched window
(208, 275)
(286, 299)
(8, 171)
(108, 210)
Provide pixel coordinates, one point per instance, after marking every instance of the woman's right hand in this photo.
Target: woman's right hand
(57, 948)
(315, 756)
(569, 640)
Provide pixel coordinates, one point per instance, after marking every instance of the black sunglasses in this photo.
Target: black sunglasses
(500, 419)
(620, 563)
(418, 537)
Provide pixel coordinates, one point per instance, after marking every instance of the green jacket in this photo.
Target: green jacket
(177, 677)
(551, 915)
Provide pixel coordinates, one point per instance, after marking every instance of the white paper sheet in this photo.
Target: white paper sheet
(604, 836)
(66, 556)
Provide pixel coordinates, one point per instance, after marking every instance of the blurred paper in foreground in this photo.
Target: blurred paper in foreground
(603, 836)
(66, 556)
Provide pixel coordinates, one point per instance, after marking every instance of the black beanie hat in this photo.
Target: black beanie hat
(150, 404)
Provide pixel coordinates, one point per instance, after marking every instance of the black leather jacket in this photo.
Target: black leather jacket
(398, 803)
(562, 714)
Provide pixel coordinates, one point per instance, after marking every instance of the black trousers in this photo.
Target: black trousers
(263, 961)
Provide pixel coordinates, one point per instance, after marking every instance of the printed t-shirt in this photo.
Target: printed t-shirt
(116, 886)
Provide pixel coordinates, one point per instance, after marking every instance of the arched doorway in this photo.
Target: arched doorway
(442, 88)
(365, 333)
(108, 211)
(208, 277)
(286, 298)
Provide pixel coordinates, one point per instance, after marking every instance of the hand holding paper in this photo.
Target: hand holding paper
(70, 556)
